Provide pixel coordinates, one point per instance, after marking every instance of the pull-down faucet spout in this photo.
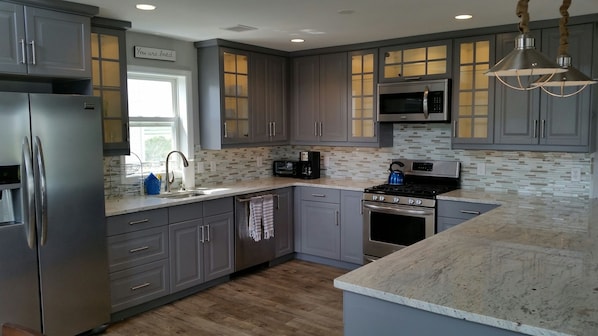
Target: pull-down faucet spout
(168, 180)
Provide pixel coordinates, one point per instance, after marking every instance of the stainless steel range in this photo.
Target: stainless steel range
(396, 216)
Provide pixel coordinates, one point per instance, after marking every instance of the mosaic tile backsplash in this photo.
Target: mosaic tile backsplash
(534, 173)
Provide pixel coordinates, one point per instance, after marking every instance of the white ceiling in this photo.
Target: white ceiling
(319, 21)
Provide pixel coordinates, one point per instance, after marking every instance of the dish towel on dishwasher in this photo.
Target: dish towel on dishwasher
(254, 222)
(268, 216)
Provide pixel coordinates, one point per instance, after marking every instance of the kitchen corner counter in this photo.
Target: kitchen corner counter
(124, 205)
(529, 266)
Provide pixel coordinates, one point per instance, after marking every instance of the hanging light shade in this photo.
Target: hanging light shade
(571, 77)
(524, 60)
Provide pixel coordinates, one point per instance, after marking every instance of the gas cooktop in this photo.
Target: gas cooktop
(412, 189)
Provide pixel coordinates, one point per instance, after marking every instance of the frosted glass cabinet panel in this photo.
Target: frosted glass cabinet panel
(473, 91)
(236, 96)
(428, 60)
(363, 88)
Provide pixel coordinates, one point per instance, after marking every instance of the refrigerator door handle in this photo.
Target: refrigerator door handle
(43, 193)
(28, 192)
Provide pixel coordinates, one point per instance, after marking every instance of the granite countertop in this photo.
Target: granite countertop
(530, 266)
(119, 206)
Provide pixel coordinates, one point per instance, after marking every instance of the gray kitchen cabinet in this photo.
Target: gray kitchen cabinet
(330, 224)
(319, 103)
(351, 227)
(269, 116)
(109, 82)
(283, 222)
(43, 42)
(452, 213)
(242, 96)
(533, 120)
(429, 60)
(201, 247)
(138, 253)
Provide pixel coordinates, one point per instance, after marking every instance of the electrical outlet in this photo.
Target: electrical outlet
(575, 174)
(259, 162)
(199, 167)
(212, 166)
(481, 168)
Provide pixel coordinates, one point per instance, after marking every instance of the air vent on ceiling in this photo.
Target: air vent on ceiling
(240, 28)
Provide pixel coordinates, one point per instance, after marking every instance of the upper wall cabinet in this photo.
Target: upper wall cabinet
(319, 103)
(415, 61)
(473, 91)
(109, 81)
(242, 97)
(534, 120)
(45, 43)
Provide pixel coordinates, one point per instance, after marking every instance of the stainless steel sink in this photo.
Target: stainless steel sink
(182, 194)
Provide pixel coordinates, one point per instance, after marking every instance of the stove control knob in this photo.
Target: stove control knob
(411, 201)
(381, 198)
(374, 198)
(396, 200)
(418, 202)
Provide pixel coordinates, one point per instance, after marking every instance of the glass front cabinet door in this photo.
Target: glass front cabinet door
(473, 91)
(236, 96)
(413, 62)
(109, 82)
(363, 96)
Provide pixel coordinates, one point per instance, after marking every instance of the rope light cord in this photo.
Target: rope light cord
(524, 15)
(564, 40)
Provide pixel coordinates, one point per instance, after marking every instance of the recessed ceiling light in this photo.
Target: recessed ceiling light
(297, 40)
(463, 17)
(145, 7)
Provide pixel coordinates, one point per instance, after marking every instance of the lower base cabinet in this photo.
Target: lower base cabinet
(452, 213)
(330, 224)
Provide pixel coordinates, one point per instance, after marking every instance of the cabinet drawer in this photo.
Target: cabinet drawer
(137, 248)
(320, 194)
(464, 210)
(217, 206)
(136, 221)
(185, 212)
(138, 285)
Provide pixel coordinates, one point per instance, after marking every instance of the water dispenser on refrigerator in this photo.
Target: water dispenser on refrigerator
(9, 189)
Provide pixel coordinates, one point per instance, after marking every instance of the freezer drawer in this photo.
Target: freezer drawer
(137, 248)
(138, 285)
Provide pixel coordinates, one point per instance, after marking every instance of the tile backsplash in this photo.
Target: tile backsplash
(534, 173)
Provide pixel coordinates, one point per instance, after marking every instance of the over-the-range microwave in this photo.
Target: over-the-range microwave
(414, 101)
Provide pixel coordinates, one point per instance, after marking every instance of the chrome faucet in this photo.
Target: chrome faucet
(168, 181)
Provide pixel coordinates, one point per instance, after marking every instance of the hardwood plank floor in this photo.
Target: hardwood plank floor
(294, 298)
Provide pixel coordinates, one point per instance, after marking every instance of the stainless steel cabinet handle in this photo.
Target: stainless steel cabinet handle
(425, 102)
(535, 128)
(543, 129)
(33, 60)
(321, 128)
(202, 239)
(270, 129)
(139, 221)
(134, 288)
(471, 212)
(225, 130)
(454, 128)
(23, 52)
(274, 128)
(397, 210)
(337, 221)
(318, 195)
(207, 233)
(28, 191)
(42, 206)
(139, 249)
(316, 128)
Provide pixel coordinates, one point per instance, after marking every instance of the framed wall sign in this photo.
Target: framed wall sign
(155, 53)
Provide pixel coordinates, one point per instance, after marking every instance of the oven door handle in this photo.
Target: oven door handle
(397, 210)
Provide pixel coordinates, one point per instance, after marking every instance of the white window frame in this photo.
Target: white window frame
(183, 125)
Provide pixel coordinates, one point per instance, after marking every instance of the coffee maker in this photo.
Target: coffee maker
(309, 165)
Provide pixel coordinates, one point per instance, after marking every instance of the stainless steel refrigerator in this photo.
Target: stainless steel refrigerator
(53, 255)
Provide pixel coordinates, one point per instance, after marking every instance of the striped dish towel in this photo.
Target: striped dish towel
(268, 216)
(254, 222)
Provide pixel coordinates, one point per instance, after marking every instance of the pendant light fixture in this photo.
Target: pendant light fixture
(571, 77)
(524, 60)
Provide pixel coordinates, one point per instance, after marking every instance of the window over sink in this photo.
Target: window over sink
(160, 119)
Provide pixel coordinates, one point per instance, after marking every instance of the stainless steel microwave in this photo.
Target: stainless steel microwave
(414, 101)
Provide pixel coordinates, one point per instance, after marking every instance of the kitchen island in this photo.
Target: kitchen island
(529, 267)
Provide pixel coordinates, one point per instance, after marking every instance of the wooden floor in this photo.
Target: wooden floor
(294, 298)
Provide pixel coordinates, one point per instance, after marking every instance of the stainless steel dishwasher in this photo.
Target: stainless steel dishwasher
(247, 251)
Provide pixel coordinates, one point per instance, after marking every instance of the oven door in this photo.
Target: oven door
(389, 228)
